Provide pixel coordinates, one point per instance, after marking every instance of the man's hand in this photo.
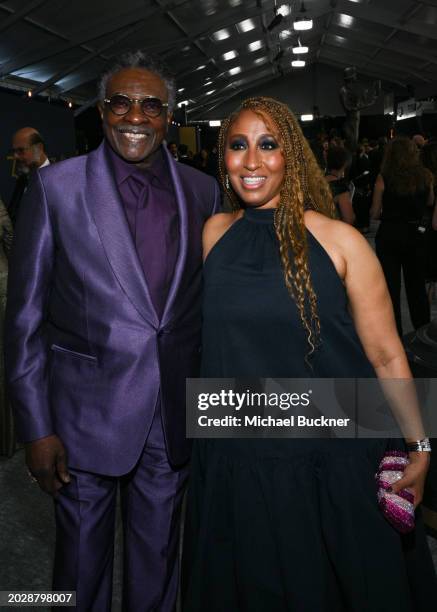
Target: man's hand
(46, 460)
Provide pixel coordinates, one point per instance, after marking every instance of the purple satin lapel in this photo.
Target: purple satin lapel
(107, 210)
(183, 238)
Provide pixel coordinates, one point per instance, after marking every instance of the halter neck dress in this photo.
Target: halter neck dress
(293, 525)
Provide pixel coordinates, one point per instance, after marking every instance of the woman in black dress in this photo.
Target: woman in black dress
(338, 160)
(278, 525)
(403, 191)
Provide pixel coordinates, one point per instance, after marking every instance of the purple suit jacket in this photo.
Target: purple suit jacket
(85, 352)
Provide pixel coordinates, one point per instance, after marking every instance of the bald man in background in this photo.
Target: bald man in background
(419, 140)
(29, 152)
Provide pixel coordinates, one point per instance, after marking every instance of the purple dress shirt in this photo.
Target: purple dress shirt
(151, 211)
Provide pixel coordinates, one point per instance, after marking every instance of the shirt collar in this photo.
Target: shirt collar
(156, 173)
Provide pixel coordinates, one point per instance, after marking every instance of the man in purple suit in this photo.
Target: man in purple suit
(103, 328)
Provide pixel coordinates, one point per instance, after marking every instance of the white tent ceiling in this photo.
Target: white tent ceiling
(215, 48)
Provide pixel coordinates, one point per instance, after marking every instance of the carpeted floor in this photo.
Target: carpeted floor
(27, 533)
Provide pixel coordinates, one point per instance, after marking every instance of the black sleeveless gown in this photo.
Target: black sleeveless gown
(289, 525)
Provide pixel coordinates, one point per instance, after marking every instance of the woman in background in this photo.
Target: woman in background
(429, 159)
(338, 160)
(293, 525)
(403, 191)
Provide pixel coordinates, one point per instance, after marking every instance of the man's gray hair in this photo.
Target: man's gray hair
(139, 59)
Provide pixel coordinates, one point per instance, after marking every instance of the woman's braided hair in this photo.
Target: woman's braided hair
(304, 188)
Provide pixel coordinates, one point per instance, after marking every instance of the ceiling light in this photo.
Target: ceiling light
(303, 22)
(235, 70)
(246, 26)
(284, 34)
(346, 20)
(181, 89)
(221, 35)
(210, 9)
(208, 93)
(230, 55)
(70, 105)
(299, 49)
(29, 94)
(298, 63)
(215, 123)
(183, 103)
(340, 39)
(255, 45)
(235, 3)
(306, 117)
(260, 60)
(284, 10)
(201, 67)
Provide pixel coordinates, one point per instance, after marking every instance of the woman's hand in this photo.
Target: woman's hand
(414, 476)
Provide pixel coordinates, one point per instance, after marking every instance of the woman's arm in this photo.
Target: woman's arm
(378, 190)
(372, 312)
(344, 202)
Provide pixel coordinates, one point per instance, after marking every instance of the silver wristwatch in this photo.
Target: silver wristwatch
(419, 446)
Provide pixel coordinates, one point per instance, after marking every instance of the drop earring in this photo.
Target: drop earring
(227, 182)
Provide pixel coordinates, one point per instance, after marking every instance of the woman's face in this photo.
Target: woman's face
(254, 160)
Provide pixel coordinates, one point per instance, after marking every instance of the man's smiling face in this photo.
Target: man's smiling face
(135, 136)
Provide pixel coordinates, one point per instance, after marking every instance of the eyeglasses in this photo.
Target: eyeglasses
(120, 104)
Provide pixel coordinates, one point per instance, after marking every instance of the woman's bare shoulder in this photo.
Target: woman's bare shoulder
(327, 228)
(216, 227)
(340, 240)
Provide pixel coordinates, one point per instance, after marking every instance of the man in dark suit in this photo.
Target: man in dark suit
(28, 150)
(103, 328)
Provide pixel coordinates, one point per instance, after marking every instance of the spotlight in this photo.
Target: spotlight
(303, 22)
(29, 94)
(299, 49)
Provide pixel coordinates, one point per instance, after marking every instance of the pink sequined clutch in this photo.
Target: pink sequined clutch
(398, 508)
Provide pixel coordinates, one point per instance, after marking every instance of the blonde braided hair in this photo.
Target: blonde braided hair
(304, 187)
